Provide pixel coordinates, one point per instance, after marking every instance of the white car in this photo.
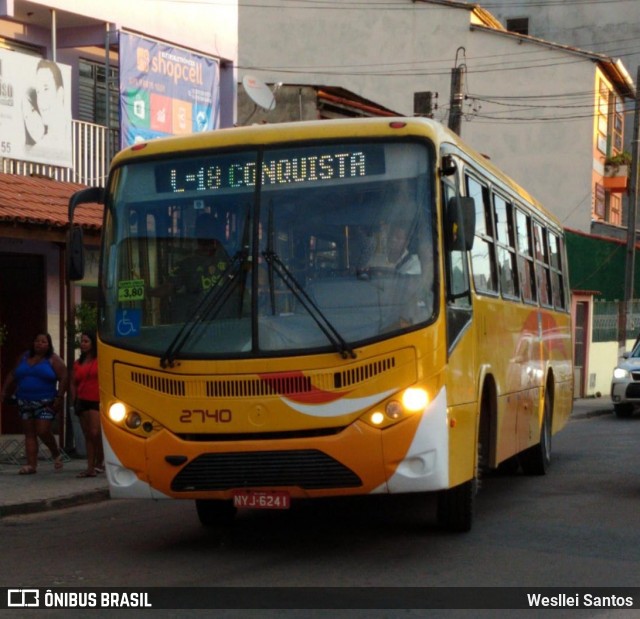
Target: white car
(625, 383)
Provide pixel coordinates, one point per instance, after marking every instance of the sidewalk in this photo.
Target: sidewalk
(588, 407)
(47, 489)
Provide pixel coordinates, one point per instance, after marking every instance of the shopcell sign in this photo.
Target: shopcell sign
(35, 109)
(165, 90)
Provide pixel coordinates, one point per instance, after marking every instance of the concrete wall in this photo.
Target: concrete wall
(612, 28)
(386, 54)
(291, 103)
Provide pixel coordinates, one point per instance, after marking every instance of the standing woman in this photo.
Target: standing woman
(86, 397)
(39, 380)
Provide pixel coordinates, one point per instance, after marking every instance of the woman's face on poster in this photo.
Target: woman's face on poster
(32, 119)
(49, 97)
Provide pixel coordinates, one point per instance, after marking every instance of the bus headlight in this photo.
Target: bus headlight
(394, 410)
(117, 412)
(415, 399)
(133, 420)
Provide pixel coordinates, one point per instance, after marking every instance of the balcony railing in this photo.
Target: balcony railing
(90, 154)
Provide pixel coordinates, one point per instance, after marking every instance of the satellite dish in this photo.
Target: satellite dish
(259, 92)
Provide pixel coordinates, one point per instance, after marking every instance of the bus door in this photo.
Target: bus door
(460, 344)
(460, 377)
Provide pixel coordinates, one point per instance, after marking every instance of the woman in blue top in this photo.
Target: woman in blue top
(39, 381)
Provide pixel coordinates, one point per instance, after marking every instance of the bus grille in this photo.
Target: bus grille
(285, 384)
(162, 384)
(259, 387)
(306, 468)
(363, 372)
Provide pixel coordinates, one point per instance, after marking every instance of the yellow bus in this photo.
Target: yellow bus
(324, 309)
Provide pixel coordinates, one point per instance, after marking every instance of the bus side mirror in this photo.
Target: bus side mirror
(460, 223)
(75, 247)
(75, 253)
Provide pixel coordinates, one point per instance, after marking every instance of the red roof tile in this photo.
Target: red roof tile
(43, 201)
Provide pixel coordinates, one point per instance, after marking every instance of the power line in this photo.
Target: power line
(545, 3)
(349, 5)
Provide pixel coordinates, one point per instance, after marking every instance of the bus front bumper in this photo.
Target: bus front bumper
(412, 456)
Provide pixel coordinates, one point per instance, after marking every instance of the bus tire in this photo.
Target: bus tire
(213, 512)
(455, 507)
(536, 459)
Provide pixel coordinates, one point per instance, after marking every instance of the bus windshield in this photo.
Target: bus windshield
(270, 250)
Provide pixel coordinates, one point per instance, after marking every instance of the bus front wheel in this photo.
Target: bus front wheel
(455, 507)
(215, 513)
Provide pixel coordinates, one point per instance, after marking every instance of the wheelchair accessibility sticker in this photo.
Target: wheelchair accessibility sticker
(128, 322)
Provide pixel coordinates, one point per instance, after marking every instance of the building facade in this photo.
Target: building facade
(551, 114)
(543, 112)
(79, 80)
(608, 28)
(605, 27)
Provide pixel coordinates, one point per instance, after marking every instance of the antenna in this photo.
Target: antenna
(259, 92)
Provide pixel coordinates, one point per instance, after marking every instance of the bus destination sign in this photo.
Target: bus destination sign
(311, 165)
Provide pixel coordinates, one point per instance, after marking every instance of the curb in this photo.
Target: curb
(594, 413)
(43, 505)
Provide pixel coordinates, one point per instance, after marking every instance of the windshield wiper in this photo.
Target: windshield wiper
(333, 335)
(213, 300)
(208, 306)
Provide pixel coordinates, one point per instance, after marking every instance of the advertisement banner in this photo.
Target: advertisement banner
(165, 90)
(35, 109)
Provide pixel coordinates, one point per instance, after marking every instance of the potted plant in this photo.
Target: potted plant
(86, 316)
(617, 165)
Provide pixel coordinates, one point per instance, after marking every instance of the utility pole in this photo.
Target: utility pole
(627, 310)
(457, 95)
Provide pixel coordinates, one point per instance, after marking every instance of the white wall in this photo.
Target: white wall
(210, 27)
(603, 357)
(387, 54)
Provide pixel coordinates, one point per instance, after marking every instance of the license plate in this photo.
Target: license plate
(277, 499)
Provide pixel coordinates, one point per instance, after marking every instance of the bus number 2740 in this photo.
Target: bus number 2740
(218, 415)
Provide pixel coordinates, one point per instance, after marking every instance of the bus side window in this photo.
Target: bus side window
(557, 275)
(543, 274)
(483, 262)
(526, 269)
(506, 247)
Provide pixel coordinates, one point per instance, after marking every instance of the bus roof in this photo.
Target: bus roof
(291, 132)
